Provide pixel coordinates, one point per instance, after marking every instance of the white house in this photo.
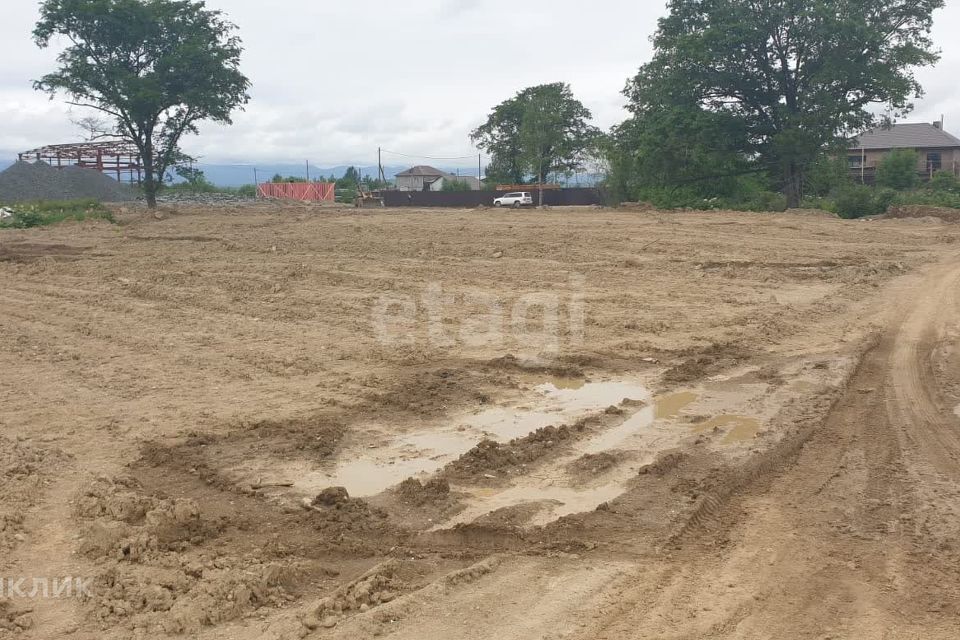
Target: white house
(426, 178)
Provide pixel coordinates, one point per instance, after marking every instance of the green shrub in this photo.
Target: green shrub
(762, 201)
(456, 185)
(944, 181)
(899, 170)
(930, 198)
(857, 201)
(47, 212)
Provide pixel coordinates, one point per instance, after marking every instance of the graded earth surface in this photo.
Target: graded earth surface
(288, 422)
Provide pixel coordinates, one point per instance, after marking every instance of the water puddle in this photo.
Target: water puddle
(560, 382)
(616, 437)
(592, 396)
(413, 455)
(372, 471)
(741, 428)
(670, 406)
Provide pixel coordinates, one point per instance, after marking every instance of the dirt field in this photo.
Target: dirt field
(290, 422)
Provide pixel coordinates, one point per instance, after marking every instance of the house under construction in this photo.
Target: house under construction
(116, 158)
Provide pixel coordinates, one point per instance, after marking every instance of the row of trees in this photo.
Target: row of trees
(738, 94)
(738, 91)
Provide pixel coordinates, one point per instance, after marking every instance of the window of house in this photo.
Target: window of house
(855, 161)
(934, 161)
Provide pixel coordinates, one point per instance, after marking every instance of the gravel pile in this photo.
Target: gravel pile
(27, 181)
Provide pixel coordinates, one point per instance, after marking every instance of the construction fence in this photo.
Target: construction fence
(302, 191)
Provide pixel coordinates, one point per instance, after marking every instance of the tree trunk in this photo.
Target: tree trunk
(541, 185)
(793, 186)
(149, 182)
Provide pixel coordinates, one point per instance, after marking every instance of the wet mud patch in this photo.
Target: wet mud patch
(433, 392)
(419, 505)
(698, 364)
(590, 465)
(492, 461)
(514, 364)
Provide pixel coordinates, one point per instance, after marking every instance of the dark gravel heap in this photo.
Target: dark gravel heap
(26, 181)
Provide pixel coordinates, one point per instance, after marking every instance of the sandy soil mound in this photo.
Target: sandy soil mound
(924, 211)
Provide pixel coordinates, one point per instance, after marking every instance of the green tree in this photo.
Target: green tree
(899, 170)
(692, 149)
(828, 174)
(456, 185)
(944, 181)
(800, 75)
(542, 130)
(193, 177)
(156, 67)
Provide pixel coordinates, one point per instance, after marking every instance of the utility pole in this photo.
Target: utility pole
(256, 184)
(383, 176)
(308, 171)
(479, 171)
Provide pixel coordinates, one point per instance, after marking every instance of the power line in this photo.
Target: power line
(406, 155)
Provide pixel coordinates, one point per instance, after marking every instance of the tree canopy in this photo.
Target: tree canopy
(156, 67)
(798, 76)
(542, 130)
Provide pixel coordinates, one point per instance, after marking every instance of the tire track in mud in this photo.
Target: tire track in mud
(831, 506)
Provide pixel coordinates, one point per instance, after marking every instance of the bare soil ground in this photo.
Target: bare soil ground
(571, 423)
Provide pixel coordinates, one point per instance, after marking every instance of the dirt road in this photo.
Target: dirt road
(564, 424)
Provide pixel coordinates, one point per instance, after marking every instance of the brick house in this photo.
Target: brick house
(937, 149)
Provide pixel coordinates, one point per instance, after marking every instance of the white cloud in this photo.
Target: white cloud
(332, 82)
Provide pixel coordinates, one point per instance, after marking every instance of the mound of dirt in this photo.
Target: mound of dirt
(593, 464)
(155, 574)
(417, 493)
(923, 211)
(29, 181)
(127, 524)
(490, 456)
(14, 619)
(23, 470)
(350, 522)
(378, 586)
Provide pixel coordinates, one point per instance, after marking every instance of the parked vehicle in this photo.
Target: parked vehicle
(515, 200)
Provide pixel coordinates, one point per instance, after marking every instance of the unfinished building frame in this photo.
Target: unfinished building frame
(117, 158)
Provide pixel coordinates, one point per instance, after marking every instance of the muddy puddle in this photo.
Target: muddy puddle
(369, 472)
(381, 458)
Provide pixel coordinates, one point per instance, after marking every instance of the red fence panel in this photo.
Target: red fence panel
(302, 191)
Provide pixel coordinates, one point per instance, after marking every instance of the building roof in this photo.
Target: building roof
(424, 171)
(906, 136)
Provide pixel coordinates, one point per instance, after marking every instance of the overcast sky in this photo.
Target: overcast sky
(332, 81)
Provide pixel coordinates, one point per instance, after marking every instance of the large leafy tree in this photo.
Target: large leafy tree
(801, 76)
(691, 149)
(542, 130)
(156, 67)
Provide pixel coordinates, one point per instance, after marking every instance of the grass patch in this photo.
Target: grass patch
(48, 212)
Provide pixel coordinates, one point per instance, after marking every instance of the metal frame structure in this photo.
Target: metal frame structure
(116, 158)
